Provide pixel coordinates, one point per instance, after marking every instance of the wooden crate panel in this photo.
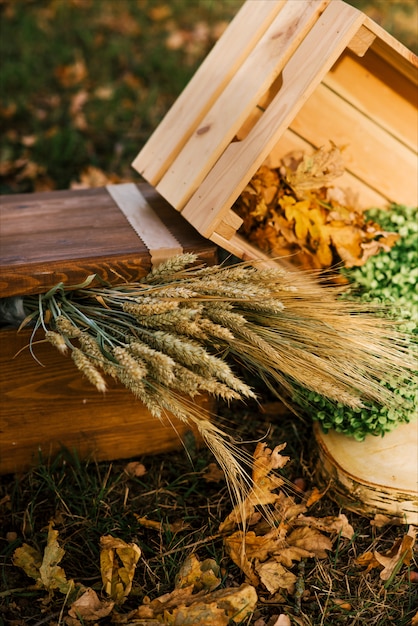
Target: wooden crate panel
(206, 85)
(44, 408)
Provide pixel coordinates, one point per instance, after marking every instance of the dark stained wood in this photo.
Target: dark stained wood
(45, 408)
(49, 237)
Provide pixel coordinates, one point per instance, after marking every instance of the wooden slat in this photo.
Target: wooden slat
(244, 90)
(45, 408)
(393, 52)
(323, 45)
(370, 153)
(65, 236)
(217, 69)
(376, 89)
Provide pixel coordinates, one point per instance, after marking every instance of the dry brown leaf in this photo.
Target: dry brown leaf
(202, 575)
(400, 554)
(314, 497)
(219, 608)
(414, 620)
(174, 527)
(71, 75)
(380, 521)
(193, 601)
(264, 483)
(316, 170)
(89, 607)
(300, 216)
(213, 473)
(329, 524)
(367, 560)
(274, 576)
(311, 540)
(135, 469)
(117, 566)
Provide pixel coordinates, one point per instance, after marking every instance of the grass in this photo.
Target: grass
(88, 499)
(84, 83)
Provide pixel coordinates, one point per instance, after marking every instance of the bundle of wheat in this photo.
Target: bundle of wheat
(181, 329)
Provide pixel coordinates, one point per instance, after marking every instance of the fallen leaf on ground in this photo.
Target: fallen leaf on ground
(283, 535)
(263, 485)
(117, 566)
(202, 575)
(135, 469)
(89, 607)
(274, 576)
(44, 568)
(380, 521)
(282, 620)
(213, 473)
(331, 524)
(390, 562)
(29, 559)
(400, 554)
(194, 600)
(174, 527)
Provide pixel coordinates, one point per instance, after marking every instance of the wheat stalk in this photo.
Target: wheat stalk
(181, 330)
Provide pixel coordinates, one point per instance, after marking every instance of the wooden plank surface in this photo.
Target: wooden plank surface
(217, 69)
(45, 408)
(67, 235)
(380, 92)
(370, 151)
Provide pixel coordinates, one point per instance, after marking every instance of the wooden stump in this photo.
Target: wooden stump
(377, 475)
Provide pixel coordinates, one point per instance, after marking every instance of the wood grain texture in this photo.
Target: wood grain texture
(377, 475)
(206, 85)
(65, 236)
(322, 46)
(243, 91)
(45, 408)
(337, 77)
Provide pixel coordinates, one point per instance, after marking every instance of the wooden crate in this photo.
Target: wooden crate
(65, 236)
(296, 75)
(287, 75)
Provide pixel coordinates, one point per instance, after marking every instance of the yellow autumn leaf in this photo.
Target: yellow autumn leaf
(202, 575)
(117, 566)
(51, 574)
(300, 214)
(219, 608)
(196, 603)
(29, 559)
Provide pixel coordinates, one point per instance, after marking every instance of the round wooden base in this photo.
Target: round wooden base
(377, 475)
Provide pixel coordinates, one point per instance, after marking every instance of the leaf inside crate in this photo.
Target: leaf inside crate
(297, 212)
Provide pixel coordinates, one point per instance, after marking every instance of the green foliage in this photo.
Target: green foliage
(389, 278)
(86, 83)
